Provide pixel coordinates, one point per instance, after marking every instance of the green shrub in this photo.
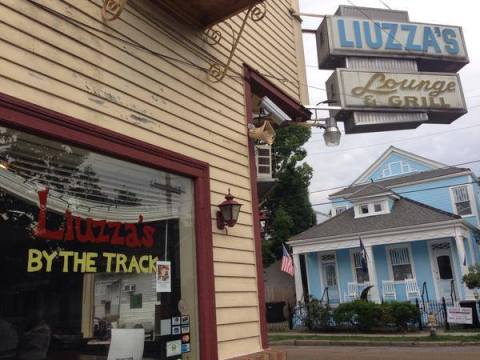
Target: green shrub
(472, 278)
(366, 316)
(317, 317)
(360, 314)
(399, 314)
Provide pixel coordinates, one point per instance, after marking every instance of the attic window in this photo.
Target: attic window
(340, 209)
(396, 168)
(364, 209)
(377, 207)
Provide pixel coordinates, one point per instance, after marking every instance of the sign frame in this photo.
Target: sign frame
(440, 115)
(331, 57)
(459, 315)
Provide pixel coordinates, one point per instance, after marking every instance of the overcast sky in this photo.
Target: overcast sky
(451, 144)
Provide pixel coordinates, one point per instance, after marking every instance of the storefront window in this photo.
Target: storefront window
(90, 243)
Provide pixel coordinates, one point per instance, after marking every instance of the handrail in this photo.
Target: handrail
(425, 292)
(325, 292)
(453, 293)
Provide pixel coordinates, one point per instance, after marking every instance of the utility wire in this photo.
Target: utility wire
(388, 142)
(232, 74)
(404, 192)
(345, 186)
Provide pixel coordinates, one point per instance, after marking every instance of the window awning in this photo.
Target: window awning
(205, 13)
(261, 86)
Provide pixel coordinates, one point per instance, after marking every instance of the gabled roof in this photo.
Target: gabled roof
(391, 182)
(405, 212)
(368, 190)
(365, 176)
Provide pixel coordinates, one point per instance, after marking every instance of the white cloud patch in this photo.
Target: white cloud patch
(339, 166)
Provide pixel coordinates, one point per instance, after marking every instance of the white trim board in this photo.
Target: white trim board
(388, 236)
(408, 183)
(364, 177)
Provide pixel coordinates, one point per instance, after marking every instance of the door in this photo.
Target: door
(443, 271)
(330, 280)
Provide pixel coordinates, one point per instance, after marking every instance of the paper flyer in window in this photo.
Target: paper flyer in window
(164, 276)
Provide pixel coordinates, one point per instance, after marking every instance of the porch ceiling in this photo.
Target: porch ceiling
(205, 13)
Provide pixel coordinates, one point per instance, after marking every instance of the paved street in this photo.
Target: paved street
(381, 353)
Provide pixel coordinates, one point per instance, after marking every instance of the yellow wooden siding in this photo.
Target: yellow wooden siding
(238, 347)
(144, 75)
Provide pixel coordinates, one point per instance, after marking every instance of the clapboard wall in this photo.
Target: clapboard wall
(144, 75)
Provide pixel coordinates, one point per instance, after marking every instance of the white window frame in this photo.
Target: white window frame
(345, 207)
(381, 203)
(352, 262)
(405, 168)
(371, 209)
(389, 261)
(471, 199)
(360, 211)
(264, 175)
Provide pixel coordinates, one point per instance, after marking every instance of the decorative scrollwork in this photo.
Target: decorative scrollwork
(258, 12)
(217, 72)
(112, 9)
(212, 36)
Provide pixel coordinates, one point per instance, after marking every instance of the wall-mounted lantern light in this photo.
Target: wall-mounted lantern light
(229, 211)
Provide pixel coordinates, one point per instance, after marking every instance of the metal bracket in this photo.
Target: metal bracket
(218, 71)
(112, 9)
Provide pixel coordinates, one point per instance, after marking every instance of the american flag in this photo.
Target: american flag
(287, 262)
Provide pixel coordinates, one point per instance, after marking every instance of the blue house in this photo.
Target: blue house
(418, 221)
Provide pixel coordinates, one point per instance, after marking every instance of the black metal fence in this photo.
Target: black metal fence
(439, 311)
(435, 308)
(427, 310)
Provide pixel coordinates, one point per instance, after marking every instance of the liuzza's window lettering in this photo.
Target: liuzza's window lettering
(90, 243)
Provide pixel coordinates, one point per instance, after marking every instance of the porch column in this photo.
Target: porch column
(463, 268)
(298, 277)
(372, 274)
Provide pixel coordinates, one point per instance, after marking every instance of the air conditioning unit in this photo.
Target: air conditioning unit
(263, 158)
(129, 288)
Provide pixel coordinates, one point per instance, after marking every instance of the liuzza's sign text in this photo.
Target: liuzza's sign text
(389, 37)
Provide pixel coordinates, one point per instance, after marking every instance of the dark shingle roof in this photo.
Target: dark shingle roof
(405, 212)
(369, 190)
(418, 176)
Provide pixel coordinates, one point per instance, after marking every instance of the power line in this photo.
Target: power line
(235, 75)
(405, 192)
(390, 142)
(445, 167)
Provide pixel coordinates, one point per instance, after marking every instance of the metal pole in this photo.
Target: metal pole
(420, 325)
(444, 305)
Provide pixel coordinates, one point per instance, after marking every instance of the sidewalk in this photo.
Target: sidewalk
(421, 339)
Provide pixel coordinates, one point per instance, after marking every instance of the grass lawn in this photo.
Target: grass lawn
(459, 338)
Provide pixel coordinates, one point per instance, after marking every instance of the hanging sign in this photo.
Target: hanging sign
(350, 36)
(164, 278)
(360, 90)
(459, 315)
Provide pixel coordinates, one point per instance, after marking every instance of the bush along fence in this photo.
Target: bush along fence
(358, 315)
(363, 316)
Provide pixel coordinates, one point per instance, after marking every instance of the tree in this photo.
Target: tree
(288, 202)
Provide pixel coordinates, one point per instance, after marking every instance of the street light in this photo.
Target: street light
(332, 134)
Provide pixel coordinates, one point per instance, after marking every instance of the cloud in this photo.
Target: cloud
(452, 144)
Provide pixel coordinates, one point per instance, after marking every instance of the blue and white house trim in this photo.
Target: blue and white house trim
(419, 223)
